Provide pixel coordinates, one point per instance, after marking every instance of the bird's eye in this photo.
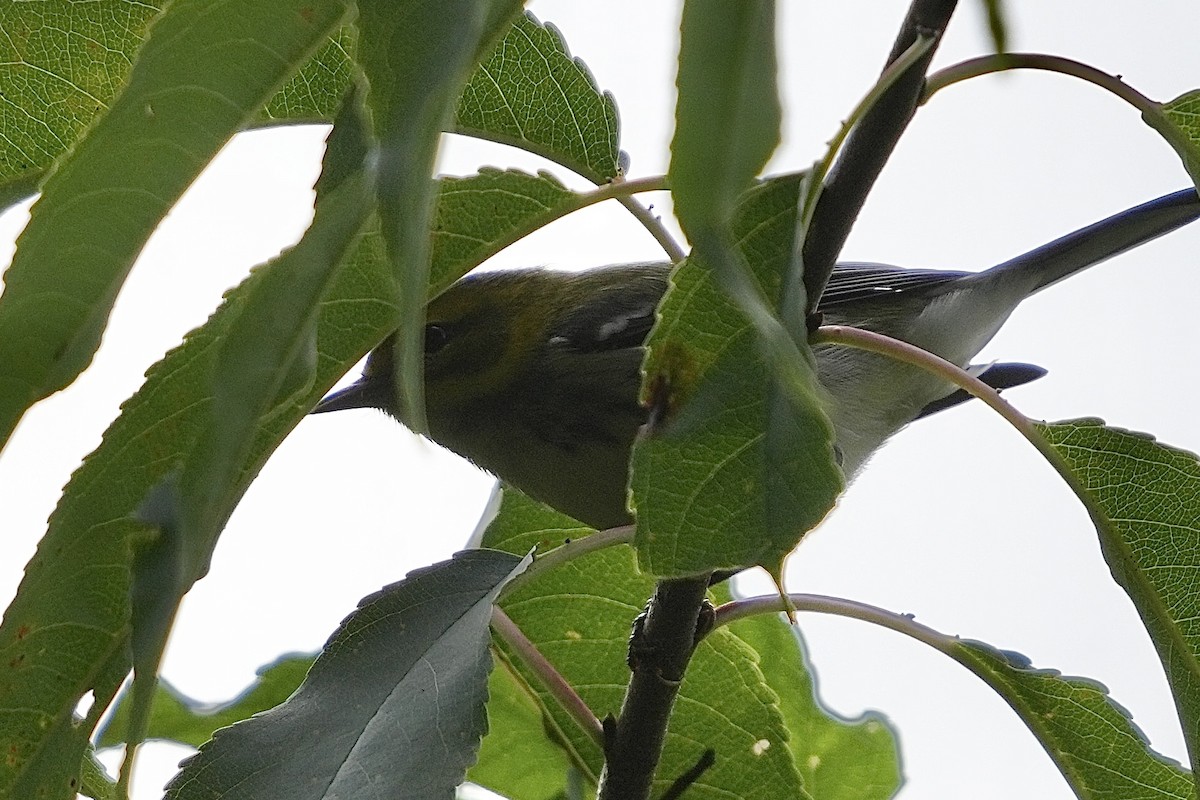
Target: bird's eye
(435, 338)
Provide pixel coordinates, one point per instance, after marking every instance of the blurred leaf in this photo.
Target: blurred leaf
(997, 24)
(416, 56)
(746, 453)
(1091, 739)
(269, 353)
(579, 617)
(1144, 499)
(178, 718)
(204, 71)
(393, 707)
(728, 480)
(74, 598)
(839, 759)
(158, 579)
(727, 116)
(530, 93)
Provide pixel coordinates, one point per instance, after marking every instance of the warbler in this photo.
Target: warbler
(534, 374)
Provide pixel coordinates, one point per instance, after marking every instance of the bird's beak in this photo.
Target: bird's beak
(363, 393)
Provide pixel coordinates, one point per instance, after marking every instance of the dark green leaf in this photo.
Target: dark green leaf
(178, 718)
(393, 707)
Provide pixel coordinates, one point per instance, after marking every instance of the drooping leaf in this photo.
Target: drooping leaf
(728, 115)
(728, 480)
(393, 707)
(205, 70)
(417, 56)
(269, 354)
(748, 406)
(1091, 738)
(74, 598)
(1144, 499)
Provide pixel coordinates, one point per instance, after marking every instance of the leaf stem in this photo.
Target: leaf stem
(816, 180)
(1153, 113)
(550, 678)
(910, 354)
(744, 608)
(569, 551)
(867, 148)
(1001, 62)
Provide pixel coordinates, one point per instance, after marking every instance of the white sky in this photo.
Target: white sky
(956, 521)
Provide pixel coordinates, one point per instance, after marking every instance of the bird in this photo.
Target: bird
(534, 374)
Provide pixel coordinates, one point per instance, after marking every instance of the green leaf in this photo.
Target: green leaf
(269, 352)
(158, 581)
(1182, 130)
(1144, 499)
(518, 758)
(1091, 739)
(579, 617)
(314, 94)
(727, 116)
(65, 633)
(269, 355)
(839, 759)
(417, 56)
(94, 781)
(739, 471)
(178, 718)
(49, 99)
(480, 215)
(393, 707)
(531, 94)
(205, 70)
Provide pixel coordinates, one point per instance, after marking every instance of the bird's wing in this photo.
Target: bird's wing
(856, 282)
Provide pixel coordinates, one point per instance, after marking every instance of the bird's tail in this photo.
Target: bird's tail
(1106, 238)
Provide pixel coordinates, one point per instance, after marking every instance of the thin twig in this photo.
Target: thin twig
(547, 675)
(868, 148)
